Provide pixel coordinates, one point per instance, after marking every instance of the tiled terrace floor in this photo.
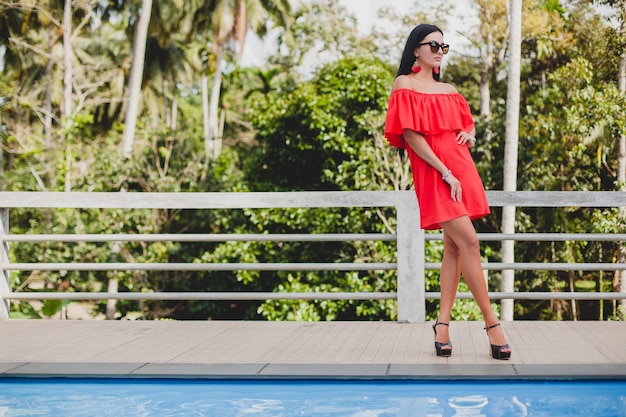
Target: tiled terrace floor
(247, 349)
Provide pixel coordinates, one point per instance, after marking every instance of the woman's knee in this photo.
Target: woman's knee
(462, 236)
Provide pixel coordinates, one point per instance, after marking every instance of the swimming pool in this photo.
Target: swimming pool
(286, 398)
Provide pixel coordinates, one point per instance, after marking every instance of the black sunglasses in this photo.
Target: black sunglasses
(434, 47)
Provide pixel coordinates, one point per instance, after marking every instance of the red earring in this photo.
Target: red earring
(416, 66)
(436, 70)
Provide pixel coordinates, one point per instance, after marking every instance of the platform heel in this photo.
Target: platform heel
(439, 346)
(499, 351)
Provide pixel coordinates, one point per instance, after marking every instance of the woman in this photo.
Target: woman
(433, 123)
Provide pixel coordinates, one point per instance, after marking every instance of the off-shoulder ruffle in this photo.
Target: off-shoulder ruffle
(425, 113)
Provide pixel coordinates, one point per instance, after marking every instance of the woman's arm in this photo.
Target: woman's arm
(419, 145)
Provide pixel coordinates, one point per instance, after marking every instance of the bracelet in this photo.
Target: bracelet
(473, 139)
(444, 176)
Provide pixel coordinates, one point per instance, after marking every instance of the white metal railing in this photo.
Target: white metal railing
(409, 238)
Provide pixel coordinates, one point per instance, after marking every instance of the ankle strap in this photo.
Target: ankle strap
(491, 327)
(437, 323)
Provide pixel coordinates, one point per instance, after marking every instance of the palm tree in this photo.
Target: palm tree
(228, 22)
(620, 8)
(136, 76)
(32, 34)
(167, 64)
(67, 57)
(510, 149)
(491, 44)
(621, 174)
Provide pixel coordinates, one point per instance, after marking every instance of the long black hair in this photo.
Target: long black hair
(415, 38)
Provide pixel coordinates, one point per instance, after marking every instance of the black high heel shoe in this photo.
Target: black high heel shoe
(498, 351)
(439, 347)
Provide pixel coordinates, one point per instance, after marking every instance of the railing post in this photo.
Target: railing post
(5, 283)
(411, 287)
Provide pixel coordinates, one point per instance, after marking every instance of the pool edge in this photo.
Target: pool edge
(374, 371)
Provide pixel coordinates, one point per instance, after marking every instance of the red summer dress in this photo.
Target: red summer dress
(437, 117)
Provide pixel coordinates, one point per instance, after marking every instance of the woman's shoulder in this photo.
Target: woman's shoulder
(448, 88)
(404, 82)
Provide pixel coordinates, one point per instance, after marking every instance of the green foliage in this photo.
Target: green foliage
(286, 131)
(167, 163)
(24, 310)
(52, 307)
(314, 136)
(310, 131)
(331, 309)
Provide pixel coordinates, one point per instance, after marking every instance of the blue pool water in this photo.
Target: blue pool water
(286, 398)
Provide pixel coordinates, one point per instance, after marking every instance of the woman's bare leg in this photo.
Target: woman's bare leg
(449, 283)
(462, 232)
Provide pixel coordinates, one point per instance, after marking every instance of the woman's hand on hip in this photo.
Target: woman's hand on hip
(464, 138)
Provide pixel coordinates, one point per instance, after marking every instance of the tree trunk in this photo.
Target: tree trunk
(136, 77)
(174, 111)
(48, 95)
(205, 112)
(112, 287)
(510, 150)
(621, 166)
(166, 106)
(67, 61)
(68, 105)
(213, 140)
(485, 94)
(572, 288)
(485, 76)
